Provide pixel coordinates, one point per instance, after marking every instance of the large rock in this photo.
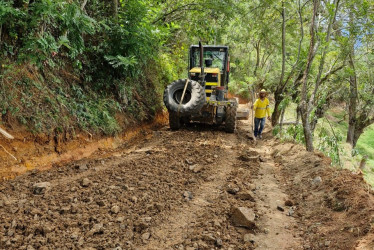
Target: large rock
(41, 187)
(243, 217)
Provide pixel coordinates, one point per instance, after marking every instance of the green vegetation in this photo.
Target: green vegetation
(365, 145)
(330, 139)
(80, 64)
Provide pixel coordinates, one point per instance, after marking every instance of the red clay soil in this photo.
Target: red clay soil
(41, 151)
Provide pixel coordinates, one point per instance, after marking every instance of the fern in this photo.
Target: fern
(121, 61)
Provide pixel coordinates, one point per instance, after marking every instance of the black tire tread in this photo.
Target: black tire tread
(198, 97)
(230, 122)
(174, 121)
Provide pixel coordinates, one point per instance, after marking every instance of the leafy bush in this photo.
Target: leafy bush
(329, 145)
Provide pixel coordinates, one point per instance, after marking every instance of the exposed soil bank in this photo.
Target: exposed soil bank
(42, 151)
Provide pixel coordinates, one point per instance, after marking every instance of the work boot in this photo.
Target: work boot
(260, 137)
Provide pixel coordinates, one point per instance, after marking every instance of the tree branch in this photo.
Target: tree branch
(181, 8)
(331, 72)
(83, 4)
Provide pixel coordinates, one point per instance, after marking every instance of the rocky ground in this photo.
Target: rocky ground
(197, 188)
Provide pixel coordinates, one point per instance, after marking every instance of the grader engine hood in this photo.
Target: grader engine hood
(212, 78)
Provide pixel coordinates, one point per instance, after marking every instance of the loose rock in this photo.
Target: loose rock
(189, 162)
(115, 209)
(280, 208)
(243, 217)
(232, 189)
(196, 168)
(81, 167)
(252, 187)
(97, 228)
(245, 196)
(85, 182)
(100, 203)
(134, 199)
(41, 187)
(317, 181)
(290, 212)
(187, 195)
(219, 242)
(288, 203)
(146, 236)
(248, 238)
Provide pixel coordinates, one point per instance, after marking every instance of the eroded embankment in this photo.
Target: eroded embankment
(27, 151)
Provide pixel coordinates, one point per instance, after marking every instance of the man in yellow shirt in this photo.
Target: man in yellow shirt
(261, 108)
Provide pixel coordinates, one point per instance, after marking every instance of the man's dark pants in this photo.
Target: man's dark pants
(259, 122)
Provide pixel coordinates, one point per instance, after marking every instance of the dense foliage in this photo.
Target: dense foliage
(93, 59)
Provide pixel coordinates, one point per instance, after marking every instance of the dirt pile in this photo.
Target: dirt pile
(334, 207)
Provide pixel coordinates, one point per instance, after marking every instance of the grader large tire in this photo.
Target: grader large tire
(194, 98)
(174, 120)
(230, 121)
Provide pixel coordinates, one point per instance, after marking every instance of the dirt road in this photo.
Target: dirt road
(179, 190)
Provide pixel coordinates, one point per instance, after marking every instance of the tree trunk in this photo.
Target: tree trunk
(304, 104)
(308, 135)
(283, 44)
(353, 96)
(324, 53)
(115, 8)
(277, 112)
(297, 121)
(83, 5)
(307, 104)
(320, 112)
(352, 109)
(281, 121)
(357, 133)
(257, 47)
(278, 93)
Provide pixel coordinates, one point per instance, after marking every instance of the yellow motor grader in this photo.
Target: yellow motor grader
(202, 97)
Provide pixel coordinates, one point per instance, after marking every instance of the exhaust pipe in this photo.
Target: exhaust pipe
(202, 74)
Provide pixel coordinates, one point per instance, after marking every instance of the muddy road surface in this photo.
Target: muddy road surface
(197, 188)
